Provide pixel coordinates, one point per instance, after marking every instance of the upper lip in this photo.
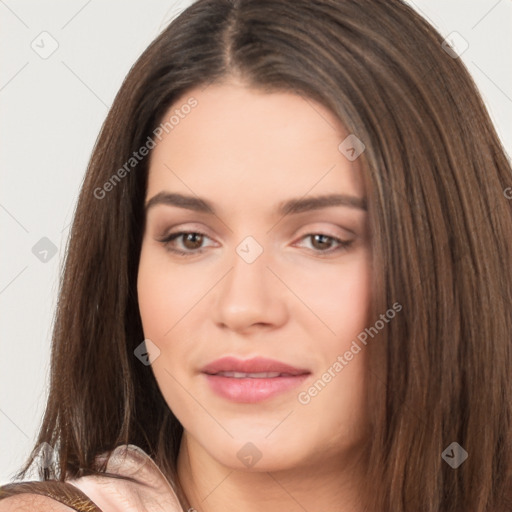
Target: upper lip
(254, 365)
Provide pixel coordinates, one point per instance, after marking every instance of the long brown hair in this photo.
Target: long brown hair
(435, 174)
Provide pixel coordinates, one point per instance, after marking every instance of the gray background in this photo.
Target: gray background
(51, 112)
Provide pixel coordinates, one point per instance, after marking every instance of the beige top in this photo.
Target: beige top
(116, 495)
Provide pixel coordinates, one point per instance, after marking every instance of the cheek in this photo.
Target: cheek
(164, 297)
(338, 393)
(154, 302)
(352, 300)
(339, 297)
(164, 293)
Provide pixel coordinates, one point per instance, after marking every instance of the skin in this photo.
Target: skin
(294, 303)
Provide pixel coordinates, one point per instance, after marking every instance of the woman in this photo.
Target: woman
(288, 282)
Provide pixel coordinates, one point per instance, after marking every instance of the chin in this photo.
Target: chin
(253, 451)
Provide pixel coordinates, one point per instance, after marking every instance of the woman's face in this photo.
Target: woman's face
(257, 280)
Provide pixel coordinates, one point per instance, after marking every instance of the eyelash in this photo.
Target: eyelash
(344, 245)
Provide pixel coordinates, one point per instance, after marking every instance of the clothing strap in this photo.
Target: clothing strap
(63, 492)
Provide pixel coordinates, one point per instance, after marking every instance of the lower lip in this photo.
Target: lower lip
(247, 390)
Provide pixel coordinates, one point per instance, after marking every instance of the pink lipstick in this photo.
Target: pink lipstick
(252, 380)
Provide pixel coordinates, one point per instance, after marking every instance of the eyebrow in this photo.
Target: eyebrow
(288, 207)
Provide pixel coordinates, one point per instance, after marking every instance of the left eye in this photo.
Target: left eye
(192, 241)
(319, 240)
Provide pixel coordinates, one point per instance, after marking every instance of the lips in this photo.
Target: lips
(252, 380)
(260, 375)
(254, 366)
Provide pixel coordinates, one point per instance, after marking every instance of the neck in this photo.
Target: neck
(321, 485)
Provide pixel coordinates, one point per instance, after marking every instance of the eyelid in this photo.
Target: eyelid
(179, 232)
(332, 231)
(310, 230)
(184, 227)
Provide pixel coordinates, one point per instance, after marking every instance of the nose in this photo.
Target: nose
(250, 296)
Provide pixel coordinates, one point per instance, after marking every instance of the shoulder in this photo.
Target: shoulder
(30, 502)
(140, 485)
(132, 482)
(44, 495)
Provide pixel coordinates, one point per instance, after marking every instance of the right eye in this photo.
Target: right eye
(190, 242)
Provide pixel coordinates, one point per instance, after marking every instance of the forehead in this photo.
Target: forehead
(251, 144)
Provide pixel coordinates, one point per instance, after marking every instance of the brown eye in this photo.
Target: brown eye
(323, 244)
(191, 242)
(321, 241)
